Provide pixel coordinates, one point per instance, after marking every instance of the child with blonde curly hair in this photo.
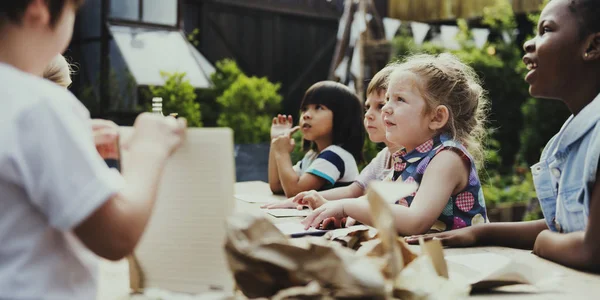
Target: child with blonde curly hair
(436, 110)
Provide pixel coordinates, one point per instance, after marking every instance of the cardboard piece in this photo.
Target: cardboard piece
(181, 248)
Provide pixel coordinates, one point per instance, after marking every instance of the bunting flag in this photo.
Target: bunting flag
(340, 71)
(355, 65)
(506, 37)
(359, 25)
(448, 35)
(480, 36)
(419, 31)
(391, 26)
(352, 86)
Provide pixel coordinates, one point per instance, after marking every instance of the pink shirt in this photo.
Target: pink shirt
(376, 170)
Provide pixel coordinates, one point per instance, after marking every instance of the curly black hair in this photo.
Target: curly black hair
(588, 13)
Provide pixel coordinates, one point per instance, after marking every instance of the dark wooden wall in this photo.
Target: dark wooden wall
(288, 41)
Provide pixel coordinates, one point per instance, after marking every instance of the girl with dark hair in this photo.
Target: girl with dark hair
(333, 137)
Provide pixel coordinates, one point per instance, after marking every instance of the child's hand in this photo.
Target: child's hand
(157, 133)
(464, 237)
(105, 131)
(284, 143)
(282, 125)
(331, 209)
(311, 199)
(543, 240)
(287, 203)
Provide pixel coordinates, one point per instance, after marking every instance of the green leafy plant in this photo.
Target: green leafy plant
(193, 37)
(248, 105)
(179, 96)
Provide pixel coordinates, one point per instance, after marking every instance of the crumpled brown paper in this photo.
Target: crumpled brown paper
(412, 277)
(265, 263)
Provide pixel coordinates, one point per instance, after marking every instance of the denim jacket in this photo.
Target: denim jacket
(565, 175)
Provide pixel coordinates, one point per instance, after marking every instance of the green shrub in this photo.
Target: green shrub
(542, 120)
(226, 72)
(179, 96)
(248, 106)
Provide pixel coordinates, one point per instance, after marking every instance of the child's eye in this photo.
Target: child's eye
(400, 99)
(318, 107)
(545, 29)
(380, 106)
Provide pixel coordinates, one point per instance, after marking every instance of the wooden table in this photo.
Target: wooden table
(569, 284)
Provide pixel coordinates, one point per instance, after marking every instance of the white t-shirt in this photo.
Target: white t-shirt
(376, 170)
(334, 164)
(51, 179)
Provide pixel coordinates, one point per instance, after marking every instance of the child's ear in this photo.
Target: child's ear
(592, 52)
(37, 13)
(439, 117)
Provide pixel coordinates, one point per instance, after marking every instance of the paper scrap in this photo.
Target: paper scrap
(257, 198)
(287, 212)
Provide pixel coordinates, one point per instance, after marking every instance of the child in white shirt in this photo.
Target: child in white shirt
(60, 202)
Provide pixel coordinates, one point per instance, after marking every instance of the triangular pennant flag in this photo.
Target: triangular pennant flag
(340, 71)
(480, 35)
(359, 25)
(341, 27)
(448, 34)
(352, 86)
(391, 27)
(506, 37)
(419, 31)
(355, 66)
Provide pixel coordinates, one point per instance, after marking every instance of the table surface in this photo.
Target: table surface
(567, 284)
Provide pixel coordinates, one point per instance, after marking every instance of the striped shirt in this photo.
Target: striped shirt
(334, 164)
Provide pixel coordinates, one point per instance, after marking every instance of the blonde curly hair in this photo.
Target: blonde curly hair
(59, 71)
(450, 82)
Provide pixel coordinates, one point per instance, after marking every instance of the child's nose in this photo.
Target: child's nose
(386, 109)
(529, 45)
(306, 115)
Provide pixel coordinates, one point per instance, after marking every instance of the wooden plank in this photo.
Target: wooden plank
(439, 10)
(318, 57)
(287, 8)
(238, 55)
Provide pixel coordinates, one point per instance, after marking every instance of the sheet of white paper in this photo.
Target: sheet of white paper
(287, 212)
(295, 228)
(257, 198)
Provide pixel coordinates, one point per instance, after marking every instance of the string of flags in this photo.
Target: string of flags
(445, 38)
